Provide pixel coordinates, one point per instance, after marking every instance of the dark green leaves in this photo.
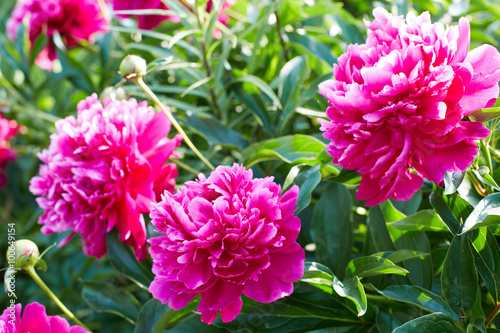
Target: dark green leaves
(434, 322)
(419, 297)
(331, 228)
(459, 280)
(124, 261)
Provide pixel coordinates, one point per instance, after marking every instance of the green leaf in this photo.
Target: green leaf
(483, 115)
(424, 220)
(421, 270)
(487, 206)
(434, 322)
(215, 132)
(439, 202)
(123, 260)
(313, 46)
(372, 266)
(105, 297)
(418, 296)
(291, 75)
(459, 280)
(452, 181)
(319, 276)
(296, 148)
(263, 86)
(346, 177)
(256, 106)
(306, 177)
(149, 315)
(331, 228)
(401, 255)
(487, 259)
(352, 289)
(172, 317)
(377, 230)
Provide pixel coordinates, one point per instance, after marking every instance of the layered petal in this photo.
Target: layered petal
(225, 235)
(397, 104)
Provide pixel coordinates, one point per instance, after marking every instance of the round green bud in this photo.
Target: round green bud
(133, 66)
(22, 253)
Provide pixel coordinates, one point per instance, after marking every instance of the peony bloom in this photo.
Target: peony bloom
(34, 320)
(8, 129)
(74, 20)
(398, 102)
(150, 22)
(103, 170)
(225, 235)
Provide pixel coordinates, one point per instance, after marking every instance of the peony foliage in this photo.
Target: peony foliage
(249, 166)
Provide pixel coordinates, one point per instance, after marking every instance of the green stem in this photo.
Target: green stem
(492, 315)
(494, 153)
(184, 166)
(278, 30)
(31, 271)
(206, 64)
(377, 298)
(487, 157)
(140, 83)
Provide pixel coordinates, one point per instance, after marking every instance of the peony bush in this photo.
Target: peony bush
(294, 166)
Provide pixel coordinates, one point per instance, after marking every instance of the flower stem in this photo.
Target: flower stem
(31, 271)
(487, 158)
(140, 83)
(278, 30)
(207, 65)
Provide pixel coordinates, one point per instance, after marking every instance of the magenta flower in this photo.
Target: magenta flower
(225, 235)
(150, 22)
(102, 171)
(34, 320)
(74, 20)
(397, 104)
(8, 129)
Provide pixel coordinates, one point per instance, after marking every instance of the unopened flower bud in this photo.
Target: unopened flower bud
(23, 253)
(133, 66)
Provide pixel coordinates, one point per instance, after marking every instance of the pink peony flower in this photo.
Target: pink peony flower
(103, 170)
(225, 235)
(34, 320)
(150, 22)
(8, 129)
(398, 102)
(74, 20)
